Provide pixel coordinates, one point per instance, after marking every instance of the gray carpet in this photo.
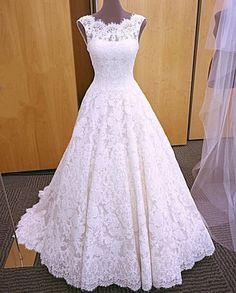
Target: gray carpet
(216, 274)
(22, 191)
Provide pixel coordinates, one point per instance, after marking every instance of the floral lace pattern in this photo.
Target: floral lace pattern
(118, 210)
(96, 28)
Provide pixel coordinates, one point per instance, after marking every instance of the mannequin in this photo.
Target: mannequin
(111, 11)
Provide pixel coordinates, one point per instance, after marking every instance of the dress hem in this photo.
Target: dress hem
(118, 282)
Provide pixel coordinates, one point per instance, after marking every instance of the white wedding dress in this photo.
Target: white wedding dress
(118, 210)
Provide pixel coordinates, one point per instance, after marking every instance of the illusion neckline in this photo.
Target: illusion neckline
(112, 23)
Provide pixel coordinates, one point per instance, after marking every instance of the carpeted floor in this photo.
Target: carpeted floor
(216, 274)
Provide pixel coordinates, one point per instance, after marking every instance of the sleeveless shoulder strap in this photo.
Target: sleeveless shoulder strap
(86, 21)
(137, 22)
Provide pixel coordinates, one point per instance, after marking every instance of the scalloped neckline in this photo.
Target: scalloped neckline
(99, 20)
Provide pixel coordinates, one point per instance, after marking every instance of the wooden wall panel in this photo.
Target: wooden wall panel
(83, 67)
(164, 64)
(203, 58)
(37, 83)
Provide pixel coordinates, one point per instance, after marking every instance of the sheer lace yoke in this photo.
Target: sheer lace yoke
(112, 23)
(128, 28)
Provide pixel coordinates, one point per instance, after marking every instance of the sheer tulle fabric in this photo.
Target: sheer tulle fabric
(214, 189)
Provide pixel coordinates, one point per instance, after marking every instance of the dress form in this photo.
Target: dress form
(111, 11)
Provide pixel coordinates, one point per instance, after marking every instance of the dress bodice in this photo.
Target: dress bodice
(112, 48)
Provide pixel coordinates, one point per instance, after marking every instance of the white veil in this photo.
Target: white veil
(214, 188)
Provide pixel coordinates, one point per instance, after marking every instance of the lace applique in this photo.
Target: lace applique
(128, 28)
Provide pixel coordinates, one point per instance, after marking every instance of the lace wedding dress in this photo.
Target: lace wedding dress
(117, 210)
